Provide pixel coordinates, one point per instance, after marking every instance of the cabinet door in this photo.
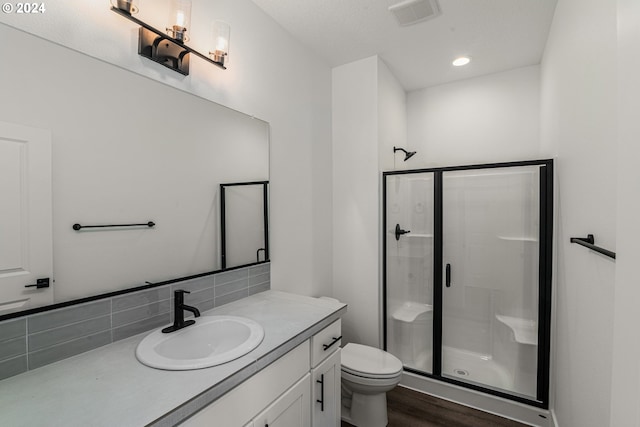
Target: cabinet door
(239, 405)
(289, 410)
(325, 395)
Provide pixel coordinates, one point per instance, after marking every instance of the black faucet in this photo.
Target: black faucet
(178, 312)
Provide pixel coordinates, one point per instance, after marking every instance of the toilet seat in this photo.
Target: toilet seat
(370, 375)
(369, 362)
(371, 382)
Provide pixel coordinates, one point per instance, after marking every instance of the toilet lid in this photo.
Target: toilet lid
(369, 362)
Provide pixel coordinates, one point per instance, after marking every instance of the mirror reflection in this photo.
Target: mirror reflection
(244, 212)
(124, 149)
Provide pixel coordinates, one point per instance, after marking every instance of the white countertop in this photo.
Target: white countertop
(109, 387)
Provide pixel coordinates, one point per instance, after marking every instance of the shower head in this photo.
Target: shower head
(407, 154)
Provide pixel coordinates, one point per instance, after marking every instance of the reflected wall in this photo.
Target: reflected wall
(127, 149)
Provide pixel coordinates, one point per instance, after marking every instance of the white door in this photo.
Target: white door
(25, 218)
(289, 410)
(326, 397)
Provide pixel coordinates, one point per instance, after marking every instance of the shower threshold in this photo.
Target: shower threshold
(506, 408)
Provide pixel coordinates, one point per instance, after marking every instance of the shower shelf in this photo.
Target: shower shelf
(518, 239)
(525, 331)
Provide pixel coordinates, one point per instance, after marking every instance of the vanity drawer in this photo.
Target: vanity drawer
(325, 342)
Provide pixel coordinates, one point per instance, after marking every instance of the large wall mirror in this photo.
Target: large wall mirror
(127, 149)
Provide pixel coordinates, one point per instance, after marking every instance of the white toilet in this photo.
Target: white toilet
(368, 374)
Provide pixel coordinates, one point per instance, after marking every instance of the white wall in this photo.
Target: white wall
(392, 119)
(579, 124)
(486, 119)
(355, 198)
(368, 110)
(625, 389)
(270, 75)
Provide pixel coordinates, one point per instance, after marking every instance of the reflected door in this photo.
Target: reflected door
(491, 264)
(26, 250)
(409, 268)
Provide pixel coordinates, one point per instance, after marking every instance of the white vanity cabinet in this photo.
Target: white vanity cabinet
(325, 376)
(325, 397)
(289, 410)
(285, 393)
(240, 406)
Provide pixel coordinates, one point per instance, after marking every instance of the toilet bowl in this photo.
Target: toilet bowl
(368, 374)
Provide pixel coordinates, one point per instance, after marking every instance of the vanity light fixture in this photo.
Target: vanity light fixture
(461, 61)
(169, 49)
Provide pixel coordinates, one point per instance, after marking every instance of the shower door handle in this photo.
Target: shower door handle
(447, 276)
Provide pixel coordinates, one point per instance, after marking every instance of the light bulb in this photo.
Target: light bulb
(221, 34)
(460, 61)
(179, 19)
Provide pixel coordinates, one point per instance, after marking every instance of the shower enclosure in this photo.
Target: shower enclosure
(467, 275)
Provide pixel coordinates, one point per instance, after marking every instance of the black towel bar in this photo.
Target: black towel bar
(589, 242)
(149, 224)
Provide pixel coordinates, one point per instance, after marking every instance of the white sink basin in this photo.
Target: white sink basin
(213, 340)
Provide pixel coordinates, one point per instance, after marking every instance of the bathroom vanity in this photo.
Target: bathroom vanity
(300, 389)
(291, 379)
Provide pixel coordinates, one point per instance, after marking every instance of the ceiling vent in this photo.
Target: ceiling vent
(411, 12)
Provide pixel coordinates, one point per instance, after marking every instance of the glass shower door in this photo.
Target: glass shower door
(409, 269)
(490, 273)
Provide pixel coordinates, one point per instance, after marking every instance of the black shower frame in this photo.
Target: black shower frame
(544, 276)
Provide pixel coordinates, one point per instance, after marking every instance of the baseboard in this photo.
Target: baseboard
(492, 404)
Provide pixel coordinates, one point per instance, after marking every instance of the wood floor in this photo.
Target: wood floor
(408, 408)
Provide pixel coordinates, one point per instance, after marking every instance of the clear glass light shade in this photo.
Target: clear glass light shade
(221, 34)
(128, 6)
(179, 19)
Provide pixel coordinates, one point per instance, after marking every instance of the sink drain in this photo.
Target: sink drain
(461, 372)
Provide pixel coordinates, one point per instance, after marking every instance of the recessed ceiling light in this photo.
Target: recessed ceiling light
(459, 62)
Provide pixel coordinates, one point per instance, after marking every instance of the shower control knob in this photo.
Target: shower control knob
(400, 231)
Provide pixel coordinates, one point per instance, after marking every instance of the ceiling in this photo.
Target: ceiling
(498, 34)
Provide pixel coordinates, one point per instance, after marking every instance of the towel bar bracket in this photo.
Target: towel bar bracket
(589, 242)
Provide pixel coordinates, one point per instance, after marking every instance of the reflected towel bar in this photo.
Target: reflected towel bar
(589, 241)
(149, 224)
